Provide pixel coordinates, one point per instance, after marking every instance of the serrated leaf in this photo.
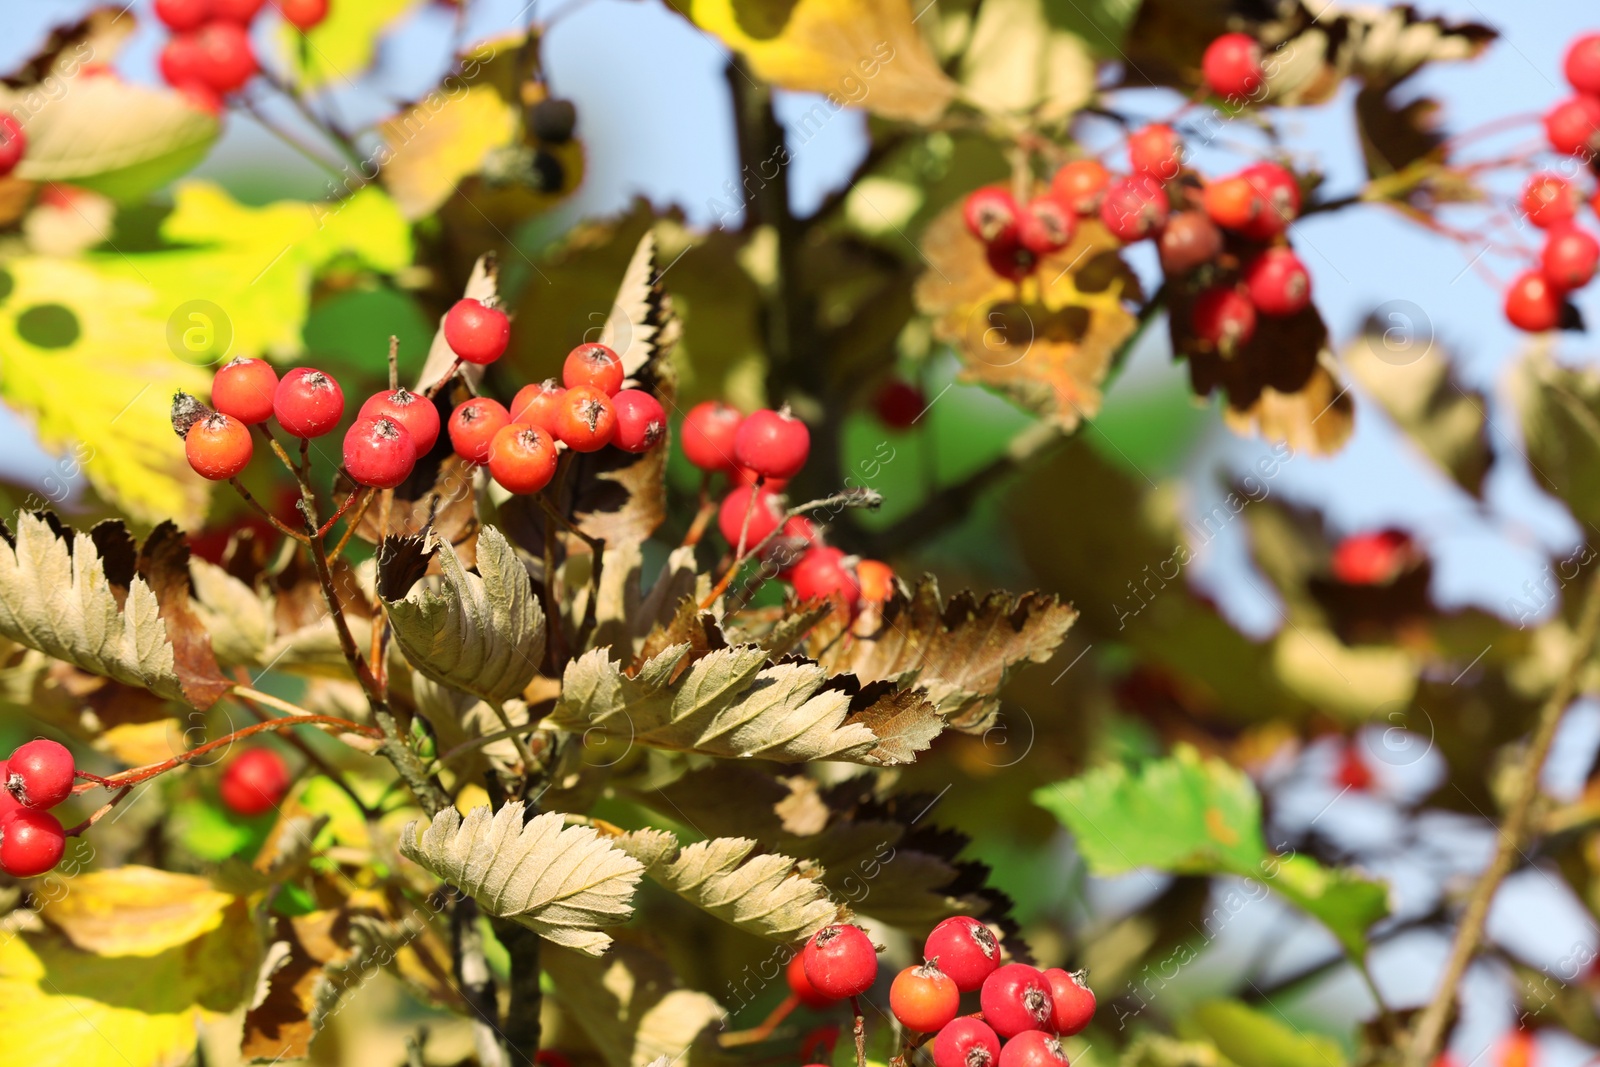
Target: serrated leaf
(632, 1006)
(57, 596)
(863, 52)
(766, 894)
(238, 620)
(961, 652)
(731, 702)
(1559, 409)
(111, 136)
(480, 633)
(641, 327)
(1192, 815)
(562, 881)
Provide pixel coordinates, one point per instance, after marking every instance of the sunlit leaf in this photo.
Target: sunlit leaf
(868, 53)
(340, 48)
(1251, 1037)
(134, 911)
(565, 882)
(1559, 410)
(1022, 59)
(766, 894)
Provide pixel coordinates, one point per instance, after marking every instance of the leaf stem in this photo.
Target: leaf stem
(860, 1032)
(1429, 1032)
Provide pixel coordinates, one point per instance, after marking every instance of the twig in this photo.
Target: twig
(277, 523)
(350, 527)
(100, 812)
(1429, 1032)
(331, 772)
(529, 762)
(475, 979)
(521, 1029)
(860, 1032)
(337, 515)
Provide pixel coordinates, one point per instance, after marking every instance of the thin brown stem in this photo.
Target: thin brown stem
(344, 507)
(316, 758)
(350, 527)
(433, 389)
(860, 1032)
(100, 812)
(1429, 1032)
(394, 363)
(277, 524)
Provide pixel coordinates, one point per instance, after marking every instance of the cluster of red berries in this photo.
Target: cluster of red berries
(1024, 1011)
(1536, 298)
(1158, 199)
(209, 54)
(395, 428)
(255, 782)
(759, 453)
(36, 777)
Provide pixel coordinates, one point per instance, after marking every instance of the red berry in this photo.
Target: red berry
(8, 803)
(255, 782)
(31, 842)
(537, 404)
(746, 476)
(1569, 258)
(990, 214)
(586, 421)
(899, 404)
(1189, 240)
(411, 410)
(1045, 226)
(181, 62)
(308, 403)
(774, 444)
(1033, 1048)
(13, 143)
(1532, 303)
(708, 433)
(1156, 150)
(794, 540)
(1224, 317)
(965, 949)
(766, 514)
(1280, 198)
(1277, 283)
(840, 961)
(303, 14)
(1016, 998)
(966, 1042)
(218, 446)
(1071, 1001)
(1549, 200)
(826, 573)
(1353, 772)
(924, 998)
(473, 424)
(1232, 65)
(39, 773)
(244, 388)
(240, 12)
(800, 985)
(876, 579)
(476, 333)
(379, 452)
(1582, 64)
(1080, 184)
(1009, 258)
(641, 421)
(1134, 207)
(1233, 202)
(1372, 558)
(225, 58)
(181, 16)
(595, 366)
(1573, 126)
(522, 458)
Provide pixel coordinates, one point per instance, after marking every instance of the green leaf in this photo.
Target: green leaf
(562, 881)
(1189, 815)
(1559, 409)
(1183, 814)
(118, 139)
(766, 894)
(733, 702)
(1252, 1038)
(632, 1006)
(480, 633)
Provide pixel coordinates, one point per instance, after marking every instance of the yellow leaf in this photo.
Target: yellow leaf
(867, 53)
(135, 911)
(1047, 343)
(342, 46)
(62, 1005)
(438, 142)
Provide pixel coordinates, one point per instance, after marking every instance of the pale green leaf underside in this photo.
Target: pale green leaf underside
(562, 881)
(768, 895)
(480, 633)
(59, 602)
(731, 702)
